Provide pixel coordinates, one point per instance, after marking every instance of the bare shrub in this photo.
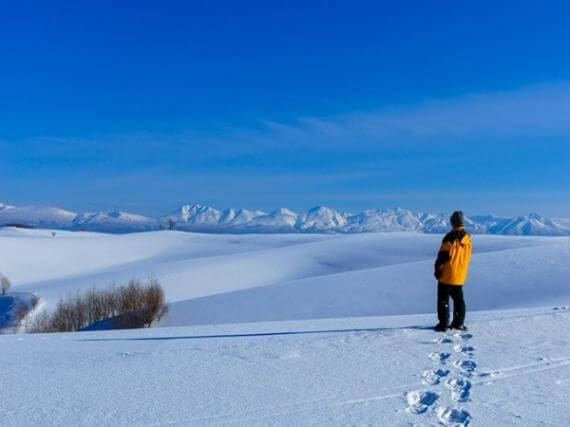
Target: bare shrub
(153, 302)
(76, 312)
(5, 284)
(131, 296)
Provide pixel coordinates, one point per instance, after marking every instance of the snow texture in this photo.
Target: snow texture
(335, 372)
(293, 329)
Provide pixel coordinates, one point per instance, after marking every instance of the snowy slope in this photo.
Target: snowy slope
(281, 220)
(195, 215)
(335, 356)
(511, 368)
(532, 224)
(500, 278)
(384, 220)
(564, 222)
(212, 278)
(321, 218)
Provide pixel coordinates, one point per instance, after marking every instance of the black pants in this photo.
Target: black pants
(456, 293)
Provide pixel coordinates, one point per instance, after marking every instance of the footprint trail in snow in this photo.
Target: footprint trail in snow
(454, 348)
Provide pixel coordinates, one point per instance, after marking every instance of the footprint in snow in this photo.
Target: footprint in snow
(128, 354)
(439, 357)
(466, 366)
(433, 376)
(453, 417)
(445, 340)
(460, 389)
(419, 401)
(462, 336)
(463, 349)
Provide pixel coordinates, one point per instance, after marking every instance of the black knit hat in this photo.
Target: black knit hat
(456, 219)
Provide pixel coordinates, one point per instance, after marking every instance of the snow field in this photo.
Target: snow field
(366, 371)
(361, 362)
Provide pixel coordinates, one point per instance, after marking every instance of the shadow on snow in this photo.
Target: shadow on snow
(261, 334)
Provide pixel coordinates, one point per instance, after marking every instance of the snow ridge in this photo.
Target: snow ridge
(320, 219)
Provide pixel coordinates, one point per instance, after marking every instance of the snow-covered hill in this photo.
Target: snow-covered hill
(319, 219)
(260, 277)
(342, 332)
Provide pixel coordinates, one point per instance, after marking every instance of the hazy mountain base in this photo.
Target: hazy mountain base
(316, 220)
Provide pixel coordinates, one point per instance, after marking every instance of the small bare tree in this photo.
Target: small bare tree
(153, 302)
(5, 284)
(171, 224)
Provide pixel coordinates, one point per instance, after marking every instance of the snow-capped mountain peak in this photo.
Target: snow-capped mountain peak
(320, 219)
(196, 214)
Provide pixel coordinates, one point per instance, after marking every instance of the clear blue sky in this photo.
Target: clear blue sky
(429, 105)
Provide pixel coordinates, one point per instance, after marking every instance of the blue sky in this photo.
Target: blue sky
(426, 105)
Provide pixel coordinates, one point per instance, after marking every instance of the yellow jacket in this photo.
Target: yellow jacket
(453, 258)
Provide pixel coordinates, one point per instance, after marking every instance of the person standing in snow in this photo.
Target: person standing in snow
(451, 268)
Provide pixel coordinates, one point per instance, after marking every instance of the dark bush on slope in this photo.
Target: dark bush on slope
(80, 311)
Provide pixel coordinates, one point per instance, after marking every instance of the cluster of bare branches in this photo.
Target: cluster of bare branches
(76, 312)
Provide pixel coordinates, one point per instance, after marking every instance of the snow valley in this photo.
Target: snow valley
(316, 220)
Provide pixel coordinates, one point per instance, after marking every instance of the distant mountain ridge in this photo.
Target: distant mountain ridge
(320, 219)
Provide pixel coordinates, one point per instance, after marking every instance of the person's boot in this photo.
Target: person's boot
(458, 327)
(440, 327)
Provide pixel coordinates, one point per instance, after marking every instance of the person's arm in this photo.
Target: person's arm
(442, 258)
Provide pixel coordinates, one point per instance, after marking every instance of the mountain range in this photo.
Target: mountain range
(319, 219)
